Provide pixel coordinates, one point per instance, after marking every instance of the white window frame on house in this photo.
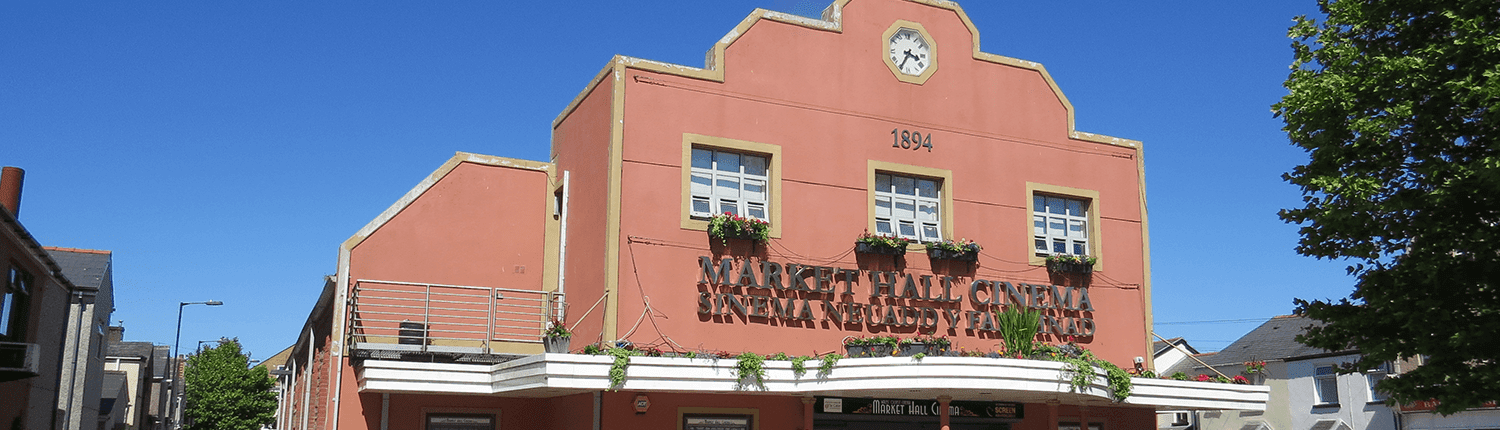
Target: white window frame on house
(725, 181)
(882, 197)
(1325, 379)
(1374, 376)
(909, 206)
(765, 203)
(1060, 225)
(1085, 240)
(1180, 419)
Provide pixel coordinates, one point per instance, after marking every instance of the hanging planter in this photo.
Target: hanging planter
(926, 345)
(877, 346)
(960, 250)
(729, 226)
(1062, 263)
(881, 244)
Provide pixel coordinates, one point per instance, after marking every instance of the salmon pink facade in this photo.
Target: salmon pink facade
(700, 214)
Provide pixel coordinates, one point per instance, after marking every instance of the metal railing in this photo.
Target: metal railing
(424, 317)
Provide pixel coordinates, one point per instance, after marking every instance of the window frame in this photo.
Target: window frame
(772, 153)
(1089, 197)
(943, 177)
(1331, 377)
(918, 225)
(1383, 371)
(15, 302)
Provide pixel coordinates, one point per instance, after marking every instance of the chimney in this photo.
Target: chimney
(10, 189)
(116, 334)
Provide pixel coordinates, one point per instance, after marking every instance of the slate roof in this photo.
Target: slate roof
(86, 268)
(159, 362)
(142, 350)
(1276, 339)
(1158, 347)
(114, 385)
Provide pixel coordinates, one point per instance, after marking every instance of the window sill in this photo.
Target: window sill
(1326, 405)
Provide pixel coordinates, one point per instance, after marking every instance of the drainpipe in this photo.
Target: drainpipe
(306, 384)
(598, 408)
(385, 411)
(562, 245)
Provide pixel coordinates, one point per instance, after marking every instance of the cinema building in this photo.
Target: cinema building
(883, 116)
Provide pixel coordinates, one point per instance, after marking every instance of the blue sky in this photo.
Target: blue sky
(223, 150)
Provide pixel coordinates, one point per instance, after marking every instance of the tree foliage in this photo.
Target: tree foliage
(1398, 104)
(224, 393)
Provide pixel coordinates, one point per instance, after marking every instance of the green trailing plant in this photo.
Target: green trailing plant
(799, 365)
(927, 339)
(726, 225)
(617, 370)
(594, 349)
(1179, 376)
(883, 240)
(690, 354)
(919, 356)
(828, 361)
(1055, 259)
(1083, 369)
(1148, 374)
(751, 364)
(961, 245)
(1018, 327)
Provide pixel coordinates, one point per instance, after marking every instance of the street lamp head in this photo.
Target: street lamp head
(210, 303)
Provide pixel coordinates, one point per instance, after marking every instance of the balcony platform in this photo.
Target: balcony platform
(962, 378)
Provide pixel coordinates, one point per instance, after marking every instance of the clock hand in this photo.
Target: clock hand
(903, 60)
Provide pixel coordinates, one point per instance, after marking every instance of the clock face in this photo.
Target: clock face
(910, 52)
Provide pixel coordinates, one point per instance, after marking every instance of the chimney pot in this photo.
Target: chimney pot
(10, 189)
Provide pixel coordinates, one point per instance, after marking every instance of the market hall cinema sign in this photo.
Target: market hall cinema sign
(765, 291)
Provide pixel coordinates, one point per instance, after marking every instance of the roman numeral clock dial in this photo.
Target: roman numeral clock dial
(909, 52)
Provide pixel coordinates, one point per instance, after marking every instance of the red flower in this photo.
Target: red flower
(1204, 378)
(1240, 380)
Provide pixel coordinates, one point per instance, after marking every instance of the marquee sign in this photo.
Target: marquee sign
(765, 290)
(918, 408)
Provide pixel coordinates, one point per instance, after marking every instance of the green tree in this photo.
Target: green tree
(224, 393)
(1398, 104)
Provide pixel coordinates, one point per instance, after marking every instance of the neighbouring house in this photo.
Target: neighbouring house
(33, 318)
(276, 367)
(114, 400)
(704, 214)
(1166, 354)
(138, 361)
(89, 308)
(1306, 391)
(160, 390)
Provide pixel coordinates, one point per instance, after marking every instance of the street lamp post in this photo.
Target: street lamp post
(176, 398)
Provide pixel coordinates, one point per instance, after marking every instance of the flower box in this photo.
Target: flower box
(1066, 263)
(857, 350)
(729, 226)
(870, 248)
(736, 234)
(929, 349)
(556, 345)
(944, 254)
(1070, 267)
